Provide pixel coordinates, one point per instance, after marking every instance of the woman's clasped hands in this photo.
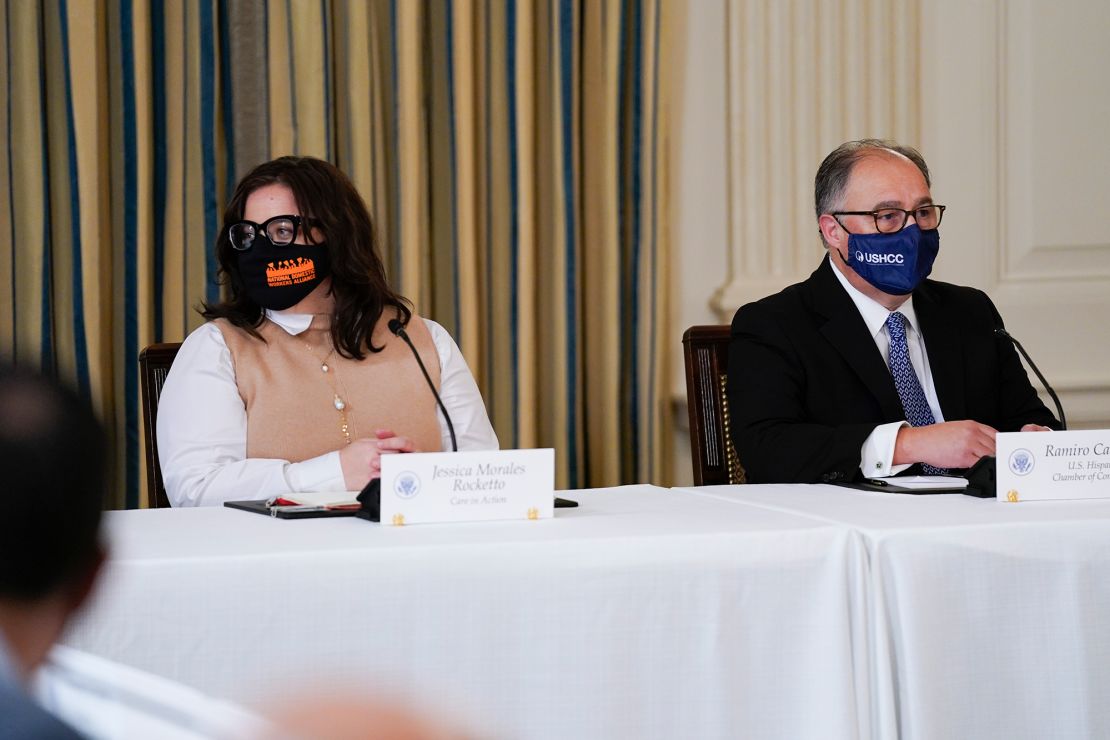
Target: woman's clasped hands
(361, 460)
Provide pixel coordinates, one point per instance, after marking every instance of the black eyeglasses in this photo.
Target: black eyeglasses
(281, 230)
(890, 220)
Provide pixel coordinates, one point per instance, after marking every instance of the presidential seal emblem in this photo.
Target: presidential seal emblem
(1021, 462)
(406, 485)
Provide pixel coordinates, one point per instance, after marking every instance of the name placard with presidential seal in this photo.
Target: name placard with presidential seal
(426, 487)
(1053, 466)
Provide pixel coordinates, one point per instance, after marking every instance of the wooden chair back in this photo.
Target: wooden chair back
(714, 457)
(154, 365)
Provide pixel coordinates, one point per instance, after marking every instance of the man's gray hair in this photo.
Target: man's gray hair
(834, 173)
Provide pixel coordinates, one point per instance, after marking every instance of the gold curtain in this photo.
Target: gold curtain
(511, 153)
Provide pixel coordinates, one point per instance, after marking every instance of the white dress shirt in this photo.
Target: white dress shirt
(202, 423)
(877, 453)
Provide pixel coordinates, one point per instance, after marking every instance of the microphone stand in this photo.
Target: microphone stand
(981, 477)
(370, 497)
(1000, 332)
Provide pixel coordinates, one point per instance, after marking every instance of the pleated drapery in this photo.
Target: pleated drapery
(511, 153)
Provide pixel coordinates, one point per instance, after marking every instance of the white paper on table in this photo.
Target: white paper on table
(323, 498)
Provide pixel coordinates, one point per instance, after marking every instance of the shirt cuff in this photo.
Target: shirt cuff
(877, 453)
(323, 473)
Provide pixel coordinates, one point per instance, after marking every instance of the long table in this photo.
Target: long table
(643, 613)
(987, 619)
(745, 611)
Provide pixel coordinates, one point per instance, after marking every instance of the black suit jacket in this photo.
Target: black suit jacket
(807, 385)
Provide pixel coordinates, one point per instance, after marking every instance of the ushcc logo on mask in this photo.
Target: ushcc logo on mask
(881, 259)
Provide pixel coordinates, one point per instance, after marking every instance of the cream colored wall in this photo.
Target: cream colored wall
(1007, 99)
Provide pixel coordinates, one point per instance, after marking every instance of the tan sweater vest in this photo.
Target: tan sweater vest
(290, 401)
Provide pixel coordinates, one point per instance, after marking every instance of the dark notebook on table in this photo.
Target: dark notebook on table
(289, 512)
(260, 506)
(916, 484)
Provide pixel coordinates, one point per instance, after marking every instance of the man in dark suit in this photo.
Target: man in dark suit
(54, 458)
(867, 368)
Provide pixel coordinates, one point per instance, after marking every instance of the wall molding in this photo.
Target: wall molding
(800, 79)
(1020, 133)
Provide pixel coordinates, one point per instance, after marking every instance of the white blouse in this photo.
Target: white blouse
(202, 423)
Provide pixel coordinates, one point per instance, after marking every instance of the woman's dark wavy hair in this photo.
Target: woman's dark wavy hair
(330, 205)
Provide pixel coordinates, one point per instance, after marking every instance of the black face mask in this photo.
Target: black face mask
(279, 277)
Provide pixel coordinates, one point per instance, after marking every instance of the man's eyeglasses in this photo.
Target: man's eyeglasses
(281, 230)
(890, 220)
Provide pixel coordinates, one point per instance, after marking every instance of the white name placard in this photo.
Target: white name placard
(1043, 466)
(424, 487)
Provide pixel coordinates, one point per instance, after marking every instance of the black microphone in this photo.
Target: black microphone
(370, 497)
(398, 328)
(1000, 332)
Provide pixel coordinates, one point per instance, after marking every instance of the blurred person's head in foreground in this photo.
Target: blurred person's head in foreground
(54, 456)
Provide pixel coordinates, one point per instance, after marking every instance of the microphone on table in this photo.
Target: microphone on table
(1002, 333)
(371, 496)
(398, 328)
(981, 476)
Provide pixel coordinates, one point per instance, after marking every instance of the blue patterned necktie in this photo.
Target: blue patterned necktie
(914, 403)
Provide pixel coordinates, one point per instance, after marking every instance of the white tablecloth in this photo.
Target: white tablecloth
(644, 613)
(988, 619)
(110, 701)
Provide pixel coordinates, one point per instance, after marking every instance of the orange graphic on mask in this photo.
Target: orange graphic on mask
(290, 272)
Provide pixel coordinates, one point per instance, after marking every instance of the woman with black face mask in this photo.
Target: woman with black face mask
(296, 383)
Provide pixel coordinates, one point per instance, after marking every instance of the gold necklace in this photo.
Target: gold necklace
(337, 401)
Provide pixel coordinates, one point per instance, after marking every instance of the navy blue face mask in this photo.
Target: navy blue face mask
(894, 263)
